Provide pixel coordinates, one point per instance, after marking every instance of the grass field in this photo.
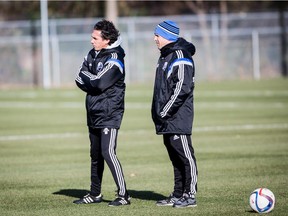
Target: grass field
(240, 137)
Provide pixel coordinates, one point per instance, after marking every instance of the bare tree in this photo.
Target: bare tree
(199, 9)
(283, 39)
(111, 10)
(214, 43)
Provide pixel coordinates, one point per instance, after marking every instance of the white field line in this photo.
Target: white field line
(39, 136)
(227, 93)
(142, 106)
(135, 132)
(41, 105)
(242, 127)
(145, 93)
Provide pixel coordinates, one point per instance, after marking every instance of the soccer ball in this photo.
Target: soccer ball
(262, 200)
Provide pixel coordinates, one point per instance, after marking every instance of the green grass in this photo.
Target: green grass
(240, 137)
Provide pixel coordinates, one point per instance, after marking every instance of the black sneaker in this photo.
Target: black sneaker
(120, 201)
(87, 199)
(187, 200)
(169, 201)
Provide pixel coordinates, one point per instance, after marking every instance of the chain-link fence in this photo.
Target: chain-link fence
(230, 46)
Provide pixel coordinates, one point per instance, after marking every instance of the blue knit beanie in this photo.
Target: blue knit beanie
(168, 30)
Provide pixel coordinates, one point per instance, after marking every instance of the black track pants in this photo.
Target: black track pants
(181, 154)
(103, 147)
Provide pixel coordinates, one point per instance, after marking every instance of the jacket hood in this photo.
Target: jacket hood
(115, 47)
(116, 43)
(181, 44)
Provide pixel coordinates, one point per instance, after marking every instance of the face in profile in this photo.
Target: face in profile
(160, 41)
(97, 41)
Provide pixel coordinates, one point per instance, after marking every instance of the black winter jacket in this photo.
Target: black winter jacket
(101, 76)
(172, 106)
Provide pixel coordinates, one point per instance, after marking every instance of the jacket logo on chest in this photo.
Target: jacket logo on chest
(99, 66)
(164, 66)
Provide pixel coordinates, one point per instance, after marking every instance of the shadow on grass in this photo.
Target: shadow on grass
(77, 193)
(143, 195)
(251, 212)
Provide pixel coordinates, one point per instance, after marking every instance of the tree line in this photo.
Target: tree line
(23, 10)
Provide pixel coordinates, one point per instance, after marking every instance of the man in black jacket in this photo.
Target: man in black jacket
(173, 110)
(101, 76)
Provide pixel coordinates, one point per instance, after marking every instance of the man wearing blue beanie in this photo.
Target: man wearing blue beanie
(168, 30)
(173, 111)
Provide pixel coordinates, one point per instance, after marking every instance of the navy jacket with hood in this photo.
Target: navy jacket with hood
(172, 105)
(101, 76)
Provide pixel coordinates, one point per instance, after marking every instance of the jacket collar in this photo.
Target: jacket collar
(167, 49)
(115, 44)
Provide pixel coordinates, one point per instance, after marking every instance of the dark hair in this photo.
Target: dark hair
(108, 30)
